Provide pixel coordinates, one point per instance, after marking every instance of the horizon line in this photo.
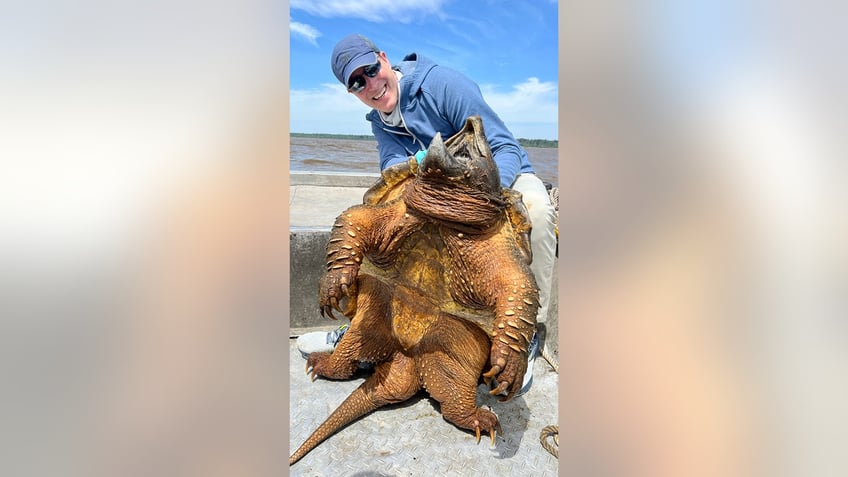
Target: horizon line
(370, 136)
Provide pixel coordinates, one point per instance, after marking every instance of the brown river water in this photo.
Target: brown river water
(360, 155)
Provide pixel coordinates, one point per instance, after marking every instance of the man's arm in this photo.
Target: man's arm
(463, 98)
(390, 148)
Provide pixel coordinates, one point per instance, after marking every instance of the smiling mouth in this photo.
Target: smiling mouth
(382, 93)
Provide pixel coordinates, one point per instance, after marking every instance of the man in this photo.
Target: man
(417, 98)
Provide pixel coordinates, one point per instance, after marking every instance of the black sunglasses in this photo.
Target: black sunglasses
(357, 83)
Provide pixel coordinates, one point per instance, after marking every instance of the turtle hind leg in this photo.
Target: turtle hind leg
(369, 337)
(450, 364)
(393, 381)
(324, 364)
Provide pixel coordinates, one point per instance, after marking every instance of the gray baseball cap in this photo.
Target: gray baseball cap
(350, 53)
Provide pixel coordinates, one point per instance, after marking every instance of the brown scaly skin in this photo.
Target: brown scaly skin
(391, 257)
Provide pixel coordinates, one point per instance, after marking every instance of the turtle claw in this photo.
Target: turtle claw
(485, 420)
(508, 367)
(330, 313)
(333, 288)
(326, 311)
(313, 361)
(499, 389)
(310, 371)
(493, 432)
(487, 376)
(490, 375)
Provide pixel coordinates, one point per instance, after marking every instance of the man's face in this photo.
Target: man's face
(381, 91)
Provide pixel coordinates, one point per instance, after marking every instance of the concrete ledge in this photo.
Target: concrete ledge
(333, 179)
(307, 253)
(316, 199)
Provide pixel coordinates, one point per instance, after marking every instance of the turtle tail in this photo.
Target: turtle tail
(355, 406)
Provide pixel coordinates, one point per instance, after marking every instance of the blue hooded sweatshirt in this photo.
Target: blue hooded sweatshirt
(435, 99)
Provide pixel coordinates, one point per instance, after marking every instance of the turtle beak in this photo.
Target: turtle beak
(438, 159)
(465, 158)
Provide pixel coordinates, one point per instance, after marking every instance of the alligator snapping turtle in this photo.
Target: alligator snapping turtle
(433, 270)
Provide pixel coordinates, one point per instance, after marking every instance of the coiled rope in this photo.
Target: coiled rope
(548, 432)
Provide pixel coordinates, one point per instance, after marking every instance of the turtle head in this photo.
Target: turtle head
(465, 159)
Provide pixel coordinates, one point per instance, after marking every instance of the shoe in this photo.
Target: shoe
(320, 340)
(532, 352)
(315, 341)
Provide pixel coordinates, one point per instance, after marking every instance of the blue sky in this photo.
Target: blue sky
(509, 48)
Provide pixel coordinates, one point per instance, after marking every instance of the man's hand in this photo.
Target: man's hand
(419, 156)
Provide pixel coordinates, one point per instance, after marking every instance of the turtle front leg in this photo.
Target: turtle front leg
(514, 325)
(500, 281)
(345, 251)
(362, 231)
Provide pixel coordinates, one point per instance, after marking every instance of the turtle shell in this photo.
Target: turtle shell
(427, 273)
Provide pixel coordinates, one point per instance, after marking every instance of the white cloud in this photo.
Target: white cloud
(304, 31)
(372, 10)
(530, 109)
(328, 109)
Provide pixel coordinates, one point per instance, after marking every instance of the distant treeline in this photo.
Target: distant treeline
(521, 140)
(333, 136)
(537, 142)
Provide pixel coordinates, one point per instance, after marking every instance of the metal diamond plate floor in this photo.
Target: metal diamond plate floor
(412, 438)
